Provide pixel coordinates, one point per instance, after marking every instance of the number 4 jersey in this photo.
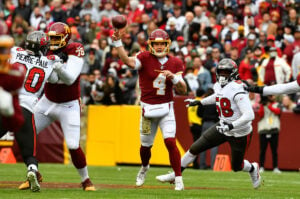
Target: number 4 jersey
(38, 70)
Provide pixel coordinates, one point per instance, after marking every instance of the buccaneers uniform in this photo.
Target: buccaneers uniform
(61, 99)
(235, 114)
(38, 70)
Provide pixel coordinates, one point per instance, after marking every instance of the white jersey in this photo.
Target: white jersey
(233, 106)
(38, 70)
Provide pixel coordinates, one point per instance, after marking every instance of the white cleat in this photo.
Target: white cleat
(141, 176)
(276, 170)
(255, 176)
(179, 186)
(34, 184)
(170, 177)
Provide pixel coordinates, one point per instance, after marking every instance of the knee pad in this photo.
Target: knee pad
(72, 144)
(147, 140)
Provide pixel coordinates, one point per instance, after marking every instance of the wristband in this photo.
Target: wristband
(175, 80)
(118, 43)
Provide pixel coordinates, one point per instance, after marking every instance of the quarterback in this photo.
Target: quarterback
(235, 114)
(158, 74)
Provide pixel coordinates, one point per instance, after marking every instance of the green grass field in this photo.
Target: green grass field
(118, 182)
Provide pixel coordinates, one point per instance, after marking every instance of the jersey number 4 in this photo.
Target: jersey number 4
(160, 84)
(224, 107)
(34, 79)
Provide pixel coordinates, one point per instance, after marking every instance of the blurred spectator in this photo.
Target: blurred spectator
(189, 16)
(19, 35)
(271, 43)
(211, 64)
(108, 10)
(172, 32)
(287, 103)
(251, 44)
(226, 23)
(97, 87)
(19, 25)
(296, 65)
(129, 45)
(177, 19)
(291, 19)
(234, 55)
(195, 123)
(23, 10)
(128, 82)
(134, 13)
(43, 6)
(91, 62)
(165, 12)
(192, 82)
(203, 45)
(209, 116)
(247, 69)
(89, 9)
(241, 41)
(112, 91)
(141, 40)
(215, 27)
(91, 32)
(48, 18)
(274, 70)
(73, 8)
(36, 17)
(112, 61)
(293, 48)
(268, 129)
(266, 21)
(58, 14)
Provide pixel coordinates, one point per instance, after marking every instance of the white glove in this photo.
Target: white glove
(192, 102)
(223, 127)
(57, 66)
(6, 103)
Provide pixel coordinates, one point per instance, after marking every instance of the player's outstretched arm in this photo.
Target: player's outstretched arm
(116, 37)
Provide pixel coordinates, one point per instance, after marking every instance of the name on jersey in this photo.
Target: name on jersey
(32, 60)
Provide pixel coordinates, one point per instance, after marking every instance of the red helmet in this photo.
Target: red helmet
(59, 34)
(159, 35)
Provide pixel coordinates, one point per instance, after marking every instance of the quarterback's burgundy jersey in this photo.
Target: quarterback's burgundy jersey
(155, 88)
(12, 82)
(60, 93)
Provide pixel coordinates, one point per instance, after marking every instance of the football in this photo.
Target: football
(119, 21)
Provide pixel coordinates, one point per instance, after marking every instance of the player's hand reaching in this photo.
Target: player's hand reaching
(252, 88)
(193, 102)
(223, 127)
(118, 34)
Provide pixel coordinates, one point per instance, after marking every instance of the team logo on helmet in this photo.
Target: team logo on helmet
(59, 34)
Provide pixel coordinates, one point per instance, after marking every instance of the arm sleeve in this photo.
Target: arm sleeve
(245, 107)
(71, 71)
(209, 100)
(278, 89)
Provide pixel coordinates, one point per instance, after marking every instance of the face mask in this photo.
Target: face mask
(273, 54)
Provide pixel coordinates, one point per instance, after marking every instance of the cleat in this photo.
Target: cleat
(33, 181)
(87, 185)
(276, 170)
(261, 170)
(170, 177)
(255, 176)
(26, 185)
(141, 176)
(179, 186)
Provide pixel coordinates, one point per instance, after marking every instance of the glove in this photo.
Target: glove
(223, 127)
(254, 89)
(6, 103)
(63, 56)
(193, 102)
(57, 66)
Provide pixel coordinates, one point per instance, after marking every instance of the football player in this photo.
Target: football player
(11, 80)
(61, 99)
(39, 69)
(235, 114)
(158, 74)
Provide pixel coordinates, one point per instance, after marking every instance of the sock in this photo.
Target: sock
(174, 155)
(187, 159)
(79, 161)
(247, 166)
(32, 167)
(83, 173)
(145, 153)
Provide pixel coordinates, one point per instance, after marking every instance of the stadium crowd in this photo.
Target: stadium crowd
(262, 37)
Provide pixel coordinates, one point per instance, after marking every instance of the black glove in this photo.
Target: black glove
(193, 102)
(223, 127)
(63, 56)
(253, 89)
